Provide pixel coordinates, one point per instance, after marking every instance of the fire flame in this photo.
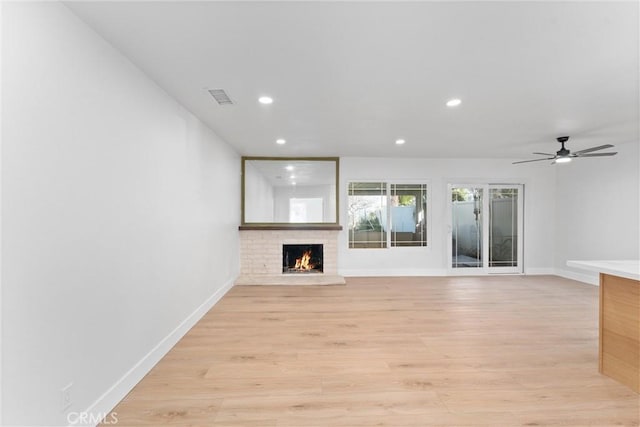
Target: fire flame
(303, 262)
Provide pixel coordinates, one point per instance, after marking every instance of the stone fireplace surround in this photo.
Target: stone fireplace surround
(261, 256)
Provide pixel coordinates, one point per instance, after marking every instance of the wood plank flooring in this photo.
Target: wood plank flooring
(419, 351)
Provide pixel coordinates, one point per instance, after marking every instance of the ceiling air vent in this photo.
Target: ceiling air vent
(221, 96)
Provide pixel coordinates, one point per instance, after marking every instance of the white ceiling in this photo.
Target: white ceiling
(349, 78)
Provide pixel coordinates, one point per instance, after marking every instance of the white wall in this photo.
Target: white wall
(598, 210)
(259, 196)
(539, 181)
(1, 97)
(119, 217)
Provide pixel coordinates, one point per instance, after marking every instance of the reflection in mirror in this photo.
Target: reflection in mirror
(293, 191)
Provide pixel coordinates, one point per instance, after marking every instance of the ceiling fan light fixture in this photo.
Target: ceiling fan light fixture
(563, 159)
(454, 102)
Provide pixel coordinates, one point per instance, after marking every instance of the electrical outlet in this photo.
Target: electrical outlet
(65, 397)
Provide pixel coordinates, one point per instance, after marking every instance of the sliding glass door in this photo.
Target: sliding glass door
(485, 229)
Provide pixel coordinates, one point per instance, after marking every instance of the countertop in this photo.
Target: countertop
(629, 269)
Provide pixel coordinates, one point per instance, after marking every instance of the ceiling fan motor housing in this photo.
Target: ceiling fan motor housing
(563, 152)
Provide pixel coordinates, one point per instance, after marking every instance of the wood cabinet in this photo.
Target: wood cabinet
(619, 353)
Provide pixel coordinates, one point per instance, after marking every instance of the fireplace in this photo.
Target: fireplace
(262, 257)
(302, 259)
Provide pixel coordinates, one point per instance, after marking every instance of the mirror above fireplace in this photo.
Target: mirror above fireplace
(290, 192)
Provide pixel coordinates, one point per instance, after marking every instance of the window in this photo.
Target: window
(408, 214)
(385, 215)
(367, 215)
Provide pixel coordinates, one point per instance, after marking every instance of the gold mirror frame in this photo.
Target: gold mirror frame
(290, 225)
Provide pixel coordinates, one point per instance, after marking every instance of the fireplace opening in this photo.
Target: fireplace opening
(301, 259)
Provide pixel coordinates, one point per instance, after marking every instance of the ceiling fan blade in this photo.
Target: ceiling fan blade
(534, 160)
(597, 154)
(545, 154)
(589, 150)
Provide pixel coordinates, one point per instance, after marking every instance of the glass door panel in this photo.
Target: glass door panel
(503, 227)
(467, 224)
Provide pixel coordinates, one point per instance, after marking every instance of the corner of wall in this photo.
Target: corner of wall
(586, 225)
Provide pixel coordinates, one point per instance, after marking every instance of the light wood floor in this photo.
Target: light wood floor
(430, 351)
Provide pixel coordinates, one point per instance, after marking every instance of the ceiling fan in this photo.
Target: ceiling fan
(564, 156)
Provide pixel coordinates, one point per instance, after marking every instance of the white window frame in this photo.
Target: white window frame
(388, 184)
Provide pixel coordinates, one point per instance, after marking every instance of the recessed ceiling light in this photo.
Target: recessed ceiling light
(289, 168)
(400, 141)
(265, 100)
(293, 183)
(280, 141)
(454, 102)
(292, 177)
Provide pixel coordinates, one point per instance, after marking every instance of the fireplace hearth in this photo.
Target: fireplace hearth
(302, 259)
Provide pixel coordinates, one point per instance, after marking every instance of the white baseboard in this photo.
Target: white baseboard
(425, 272)
(105, 403)
(586, 278)
(580, 277)
(391, 272)
(540, 271)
